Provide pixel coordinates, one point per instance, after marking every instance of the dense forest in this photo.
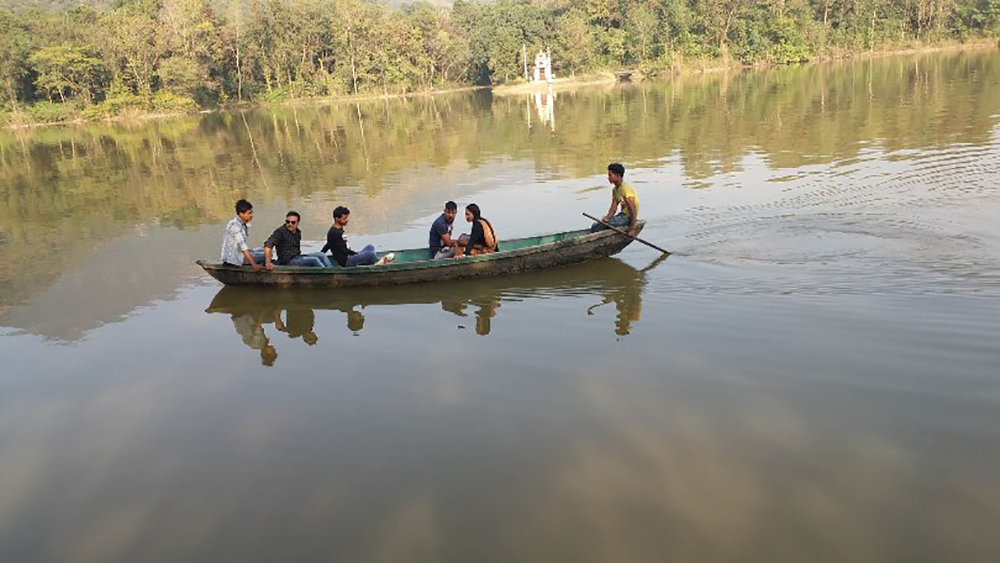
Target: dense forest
(170, 55)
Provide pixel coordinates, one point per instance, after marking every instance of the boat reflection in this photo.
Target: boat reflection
(294, 312)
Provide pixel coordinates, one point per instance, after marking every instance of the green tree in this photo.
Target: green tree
(442, 48)
(496, 34)
(252, 49)
(642, 24)
(67, 70)
(129, 47)
(234, 43)
(182, 76)
(355, 31)
(14, 46)
(573, 45)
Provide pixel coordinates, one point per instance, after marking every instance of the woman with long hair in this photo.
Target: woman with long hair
(483, 239)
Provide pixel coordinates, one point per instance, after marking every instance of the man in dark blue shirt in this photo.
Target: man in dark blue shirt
(441, 243)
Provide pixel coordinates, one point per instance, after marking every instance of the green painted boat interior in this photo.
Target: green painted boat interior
(421, 254)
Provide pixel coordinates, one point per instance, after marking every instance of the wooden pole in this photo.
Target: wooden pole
(617, 230)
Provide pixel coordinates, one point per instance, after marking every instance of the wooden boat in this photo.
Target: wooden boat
(414, 266)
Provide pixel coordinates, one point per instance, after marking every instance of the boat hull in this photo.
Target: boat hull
(574, 249)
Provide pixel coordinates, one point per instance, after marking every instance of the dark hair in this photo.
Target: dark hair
(451, 206)
(242, 206)
(474, 209)
(267, 355)
(340, 211)
(294, 214)
(616, 168)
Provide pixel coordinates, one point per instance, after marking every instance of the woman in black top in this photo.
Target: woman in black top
(483, 239)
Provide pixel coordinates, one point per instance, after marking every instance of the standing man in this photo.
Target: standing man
(622, 195)
(342, 253)
(287, 241)
(234, 243)
(441, 243)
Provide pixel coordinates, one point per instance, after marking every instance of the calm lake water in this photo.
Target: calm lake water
(813, 376)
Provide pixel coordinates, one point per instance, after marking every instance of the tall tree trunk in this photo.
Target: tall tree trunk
(724, 37)
(239, 69)
(239, 72)
(871, 29)
(12, 95)
(354, 73)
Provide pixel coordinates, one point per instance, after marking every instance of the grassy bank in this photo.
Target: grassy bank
(131, 107)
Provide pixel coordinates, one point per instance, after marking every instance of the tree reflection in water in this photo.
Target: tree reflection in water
(293, 312)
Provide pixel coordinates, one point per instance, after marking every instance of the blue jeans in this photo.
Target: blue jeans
(313, 260)
(366, 257)
(620, 220)
(448, 252)
(258, 256)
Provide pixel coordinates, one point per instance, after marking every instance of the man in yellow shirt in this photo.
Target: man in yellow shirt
(623, 196)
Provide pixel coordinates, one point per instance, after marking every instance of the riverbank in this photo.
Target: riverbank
(23, 120)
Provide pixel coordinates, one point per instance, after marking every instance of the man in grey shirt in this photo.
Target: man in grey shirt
(235, 249)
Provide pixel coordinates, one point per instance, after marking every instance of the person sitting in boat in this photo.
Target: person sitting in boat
(286, 240)
(337, 244)
(483, 239)
(622, 195)
(441, 243)
(235, 249)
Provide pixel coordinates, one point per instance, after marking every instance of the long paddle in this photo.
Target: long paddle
(617, 230)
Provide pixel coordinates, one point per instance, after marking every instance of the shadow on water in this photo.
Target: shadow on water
(294, 312)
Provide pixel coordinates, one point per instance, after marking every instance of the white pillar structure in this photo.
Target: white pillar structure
(543, 67)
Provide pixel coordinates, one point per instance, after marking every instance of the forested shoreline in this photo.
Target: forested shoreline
(155, 56)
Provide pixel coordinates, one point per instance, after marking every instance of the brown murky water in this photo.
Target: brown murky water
(814, 375)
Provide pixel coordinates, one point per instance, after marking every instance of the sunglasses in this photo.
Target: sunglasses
(287, 222)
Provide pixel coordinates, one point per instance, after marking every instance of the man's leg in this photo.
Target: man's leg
(324, 260)
(307, 261)
(366, 257)
(258, 256)
(620, 220)
(448, 252)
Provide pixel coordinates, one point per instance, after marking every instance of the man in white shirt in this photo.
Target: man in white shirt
(234, 243)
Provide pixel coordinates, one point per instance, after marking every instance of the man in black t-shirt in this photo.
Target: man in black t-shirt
(441, 243)
(336, 243)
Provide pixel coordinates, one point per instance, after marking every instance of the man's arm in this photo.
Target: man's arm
(337, 245)
(630, 202)
(611, 211)
(446, 240)
(249, 257)
(342, 243)
(241, 243)
(477, 236)
(267, 258)
(268, 245)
